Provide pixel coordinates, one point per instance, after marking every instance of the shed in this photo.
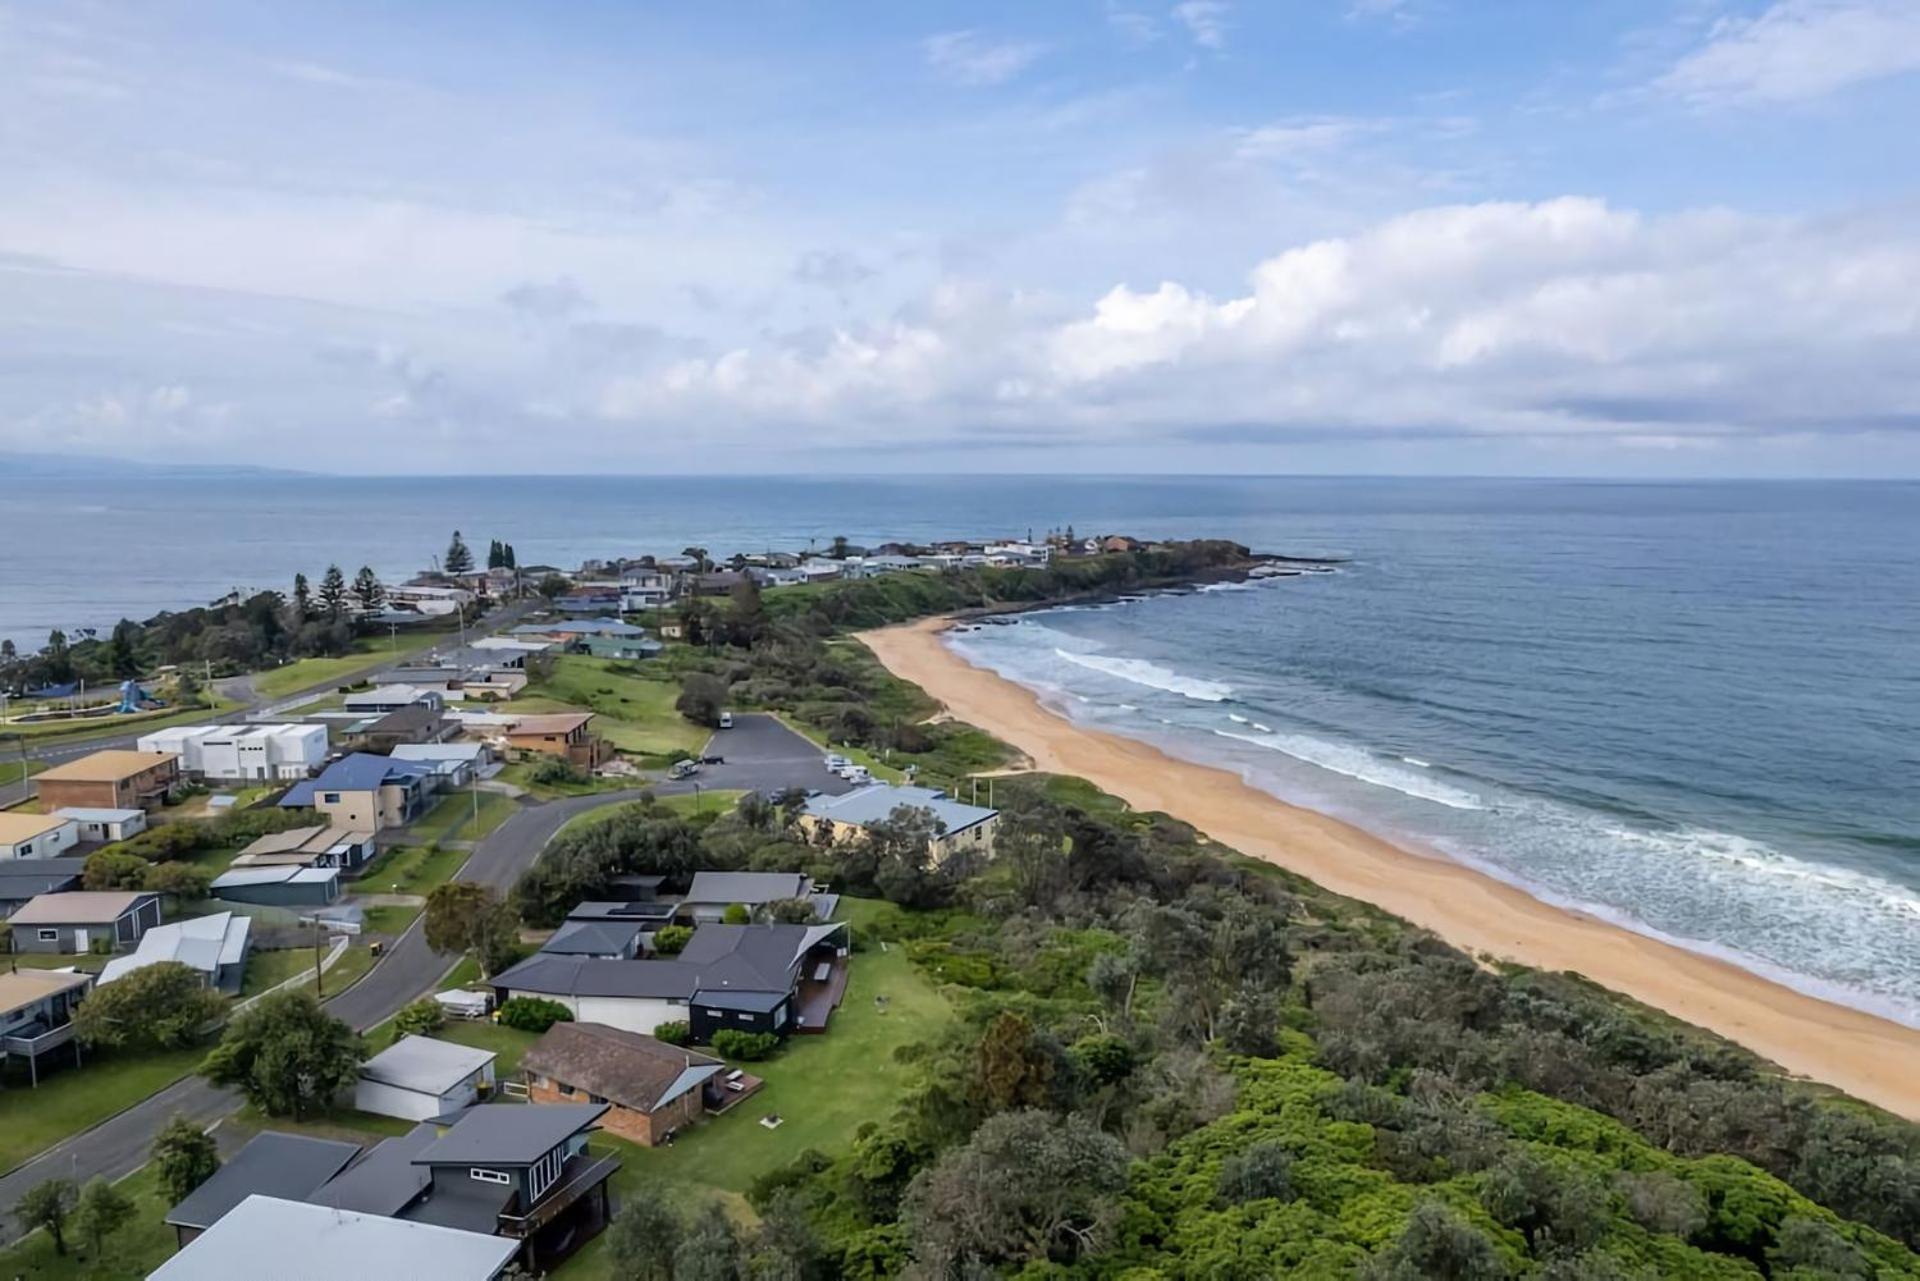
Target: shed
(78, 921)
(279, 886)
(418, 1078)
(97, 824)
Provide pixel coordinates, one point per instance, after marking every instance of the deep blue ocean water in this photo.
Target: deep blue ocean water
(1694, 708)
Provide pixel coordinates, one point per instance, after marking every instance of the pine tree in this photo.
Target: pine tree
(368, 590)
(458, 559)
(333, 592)
(122, 658)
(507, 558)
(302, 599)
(494, 554)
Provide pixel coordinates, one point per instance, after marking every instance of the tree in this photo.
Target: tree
(458, 559)
(746, 614)
(111, 869)
(162, 1006)
(180, 882)
(302, 599)
(101, 1211)
(533, 1014)
(496, 555)
(709, 1250)
(1014, 1065)
(508, 560)
(702, 698)
(840, 547)
(123, 660)
(56, 659)
(368, 590)
(470, 918)
(49, 1204)
(333, 592)
(422, 1018)
(1438, 1245)
(8, 654)
(287, 1055)
(1027, 1187)
(185, 1157)
(1250, 1022)
(643, 1236)
(1809, 1249)
(1263, 1171)
(698, 555)
(554, 585)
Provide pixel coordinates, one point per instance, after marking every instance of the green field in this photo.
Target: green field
(520, 773)
(454, 817)
(634, 713)
(391, 921)
(823, 1086)
(267, 970)
(72, 1099)
(410, 869)
(368, 652)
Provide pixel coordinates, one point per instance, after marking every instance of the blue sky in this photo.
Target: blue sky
(1352, 235)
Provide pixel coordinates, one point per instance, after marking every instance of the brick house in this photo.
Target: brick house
(562, 734)
(116, 779)
(653, 1088)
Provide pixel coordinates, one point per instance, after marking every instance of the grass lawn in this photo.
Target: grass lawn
(824, 1086)
(92, 963)
(270, 969)
(106, 726)
(455, 818)
(718, 801)
(391, 920)
(134, 1251)
(72, 1099)
(520, 775)
(368, 653)
(507, 1042)
(410, 869)
(634, 713)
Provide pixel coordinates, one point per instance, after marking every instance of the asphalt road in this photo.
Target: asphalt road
(762, 754)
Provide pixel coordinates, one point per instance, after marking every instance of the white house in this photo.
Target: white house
(36, 835)
(822, 570)
(243, 753)
(419, 1078)
(457, 763)
(105, 824)
(427, 599)
(1016, 553)
(643, 588)
(214, 945)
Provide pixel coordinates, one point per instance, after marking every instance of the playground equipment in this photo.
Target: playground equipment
(135, 699)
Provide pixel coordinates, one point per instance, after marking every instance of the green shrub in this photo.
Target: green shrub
(736, 914)
(669, 939)
(678, 1032)
(533, 1014)
(551, 771)
(748, 1047)
(422, 1018)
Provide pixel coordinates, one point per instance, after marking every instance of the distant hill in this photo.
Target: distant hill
(63, 466)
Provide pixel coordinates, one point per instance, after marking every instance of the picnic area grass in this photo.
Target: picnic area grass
(454, 817)
(135, 1250)
(633, 712)
(410, 869)
(823, 1087)
(72, 1099)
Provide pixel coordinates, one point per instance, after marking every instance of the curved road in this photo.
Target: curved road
(765, 755)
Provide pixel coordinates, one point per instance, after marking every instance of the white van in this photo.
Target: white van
(726, 720)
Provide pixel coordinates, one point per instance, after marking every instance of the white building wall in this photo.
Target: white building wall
(49, 844)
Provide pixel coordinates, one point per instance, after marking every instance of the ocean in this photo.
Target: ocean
(1693, 709)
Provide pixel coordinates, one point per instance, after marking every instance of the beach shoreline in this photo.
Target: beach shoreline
(1869, 1057)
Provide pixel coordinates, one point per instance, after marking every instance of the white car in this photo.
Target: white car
(837, 763)
(726, 720)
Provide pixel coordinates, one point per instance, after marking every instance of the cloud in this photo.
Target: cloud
(831, 269)
(1205, 21)
(967, 58)
(1301, 136)
(550, 300)
(1799, 50)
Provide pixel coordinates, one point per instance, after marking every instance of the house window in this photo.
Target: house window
(330, 798)
(489, 1176)
(26, 850)
(743, 1016)
(49, 936)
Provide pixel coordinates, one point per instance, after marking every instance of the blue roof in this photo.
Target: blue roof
(359, 772)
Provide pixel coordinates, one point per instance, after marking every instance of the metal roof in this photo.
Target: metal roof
(592, 938)
(105, 767)
(204, 943)
(315, 1243)
(95, 814)
(15, 828)
(509, 1133)
(357, 772)
(553, 975)
(24, 987)
(425, 1065)
(80, 907)
(747, 888)
(877, 802)
(235, 878)
(272, 1164)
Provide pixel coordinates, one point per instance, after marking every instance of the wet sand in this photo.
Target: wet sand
(1869, 1057)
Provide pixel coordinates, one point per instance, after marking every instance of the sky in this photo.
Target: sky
(1398, 236)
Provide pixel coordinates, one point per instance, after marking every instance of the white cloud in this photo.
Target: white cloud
(967, 58)
(1799, 50)
(1303, 135)
(1205, 21)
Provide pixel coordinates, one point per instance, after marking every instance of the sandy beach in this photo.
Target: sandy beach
(1868, 1057)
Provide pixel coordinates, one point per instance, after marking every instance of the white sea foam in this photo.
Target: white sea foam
(1355, 762)
(1141, 672)
(1237, 719)
(1415, 760)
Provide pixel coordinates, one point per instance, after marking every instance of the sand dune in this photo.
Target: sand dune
(1869, 1057)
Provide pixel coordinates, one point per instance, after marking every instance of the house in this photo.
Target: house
(426, 598)
(23, 881)
(589, 600)
(611, 940)
(719, 582)
(318, 1242)
(84, 921)
(567, 632)
(272, 1164)
(242, 753)
(289, 887)
(391, 698)
(562, 734)
(418, 1078)
(365, 793)
(961, 827)
(642, 911)
(101, 825)
(652, 1089)
(214, 945)
(521, 1172)
(414, 723)
(36, 1014)
(1015, 553)
(316, 846)
(758, 978)
(114, 779)
(24, 836)
(821, 570)
(624, 648)
(454, 764)
(644, 588)
(712, 893)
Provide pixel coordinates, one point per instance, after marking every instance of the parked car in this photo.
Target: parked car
(837, 763)
(684, 769)
(713, 760)
(857, 774)
(726, 720)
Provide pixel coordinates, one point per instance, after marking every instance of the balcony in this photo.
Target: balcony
(31, 1044)
(581, 1175)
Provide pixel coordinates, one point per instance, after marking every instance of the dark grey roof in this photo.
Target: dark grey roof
(467, 1204)
(637, 910)
(509, 1133)
(590, 976)
(759, 957)
(748, 888)
(593, 938)
(29, 878)
(385, 1180)
(289, 1166)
